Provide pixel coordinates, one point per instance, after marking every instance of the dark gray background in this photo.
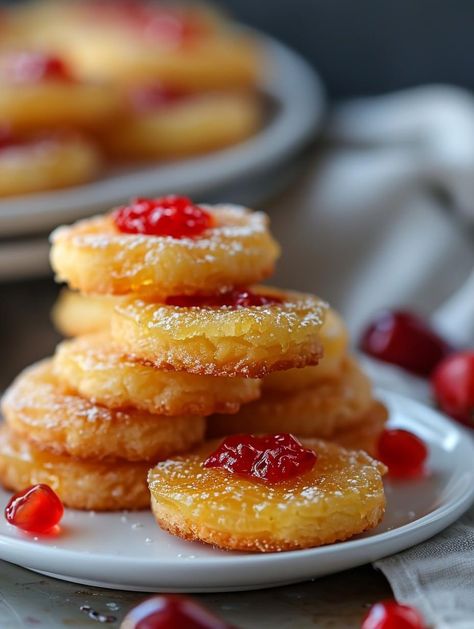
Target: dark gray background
(372, 46)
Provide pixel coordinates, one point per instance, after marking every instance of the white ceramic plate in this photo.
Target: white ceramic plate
(292, 86)
(128, 551)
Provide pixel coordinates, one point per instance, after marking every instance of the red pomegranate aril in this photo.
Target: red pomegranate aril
(35, 67)
(392, 615)
(36, 509)
(402, 452)
(147, 98)
(232, 299)
(268, 458)
(171, 612)
(453, 386)
(173, 216)
(404, 339)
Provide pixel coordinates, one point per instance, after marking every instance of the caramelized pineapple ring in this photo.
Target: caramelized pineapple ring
(334, 339)
(318, 411)
(93, 256)
(39, 407)
(46, 164)
(223, 341)
(97, 485)
(102, 373)
(341, 496)
(74, 314)
(194, 125)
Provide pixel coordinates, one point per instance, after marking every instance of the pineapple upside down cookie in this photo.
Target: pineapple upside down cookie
(80, 484)
(40, 91)
(55, 418)
(307, 494)
(163, 247)
(320, 410)
(45, 162)
(74, 314)
(240, 333)
(162, 124)
(102, 373)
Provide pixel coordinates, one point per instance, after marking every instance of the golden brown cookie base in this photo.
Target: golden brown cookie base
(100, 486)
(340, 497)
(55, 418)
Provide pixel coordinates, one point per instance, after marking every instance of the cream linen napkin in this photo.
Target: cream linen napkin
(384, 216)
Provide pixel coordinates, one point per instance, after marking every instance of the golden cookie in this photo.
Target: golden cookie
(193, 124)
(93, 256)
(55, 418)
(86, 484)
(102, 373)
(74, 314)
(341, 496)
(46, 163)
(223, 341)
(318, 411)
(38, 91)
(335, 340)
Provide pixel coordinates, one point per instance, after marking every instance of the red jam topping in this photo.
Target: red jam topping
(231, 299)
(453, 384)
(404, 339)
(35, 67)
(392, 615)
(152, 97)
(171, 612)
(402, 452)
(36, 509)
(172, 215)
(268, 458)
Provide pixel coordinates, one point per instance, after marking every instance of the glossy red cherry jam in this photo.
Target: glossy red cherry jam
(231, 299)
(172, 215)
(404, 339)
(268, 458)
(148, 98)
(402, 452)
(35, 67)
(392, 615)
(36, 509)
(171, 612)
(453, 386)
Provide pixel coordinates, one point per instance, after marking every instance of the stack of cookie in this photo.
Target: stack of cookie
(175, 330)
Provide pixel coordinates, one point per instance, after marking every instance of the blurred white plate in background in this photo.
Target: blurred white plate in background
(129, 551)
(292, 86)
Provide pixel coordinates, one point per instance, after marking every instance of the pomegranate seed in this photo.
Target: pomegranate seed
(172, 215)
(269, 458)
(231, 299)
(392, 615)
(404, 339)
(402, 452)
(171, 612)
(36, 509)
(453, 384)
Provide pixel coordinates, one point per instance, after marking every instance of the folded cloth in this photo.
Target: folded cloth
(384, 216)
